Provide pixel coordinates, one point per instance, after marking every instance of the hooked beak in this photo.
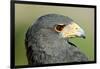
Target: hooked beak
(80, 33)
(83, 36)
(72, 30)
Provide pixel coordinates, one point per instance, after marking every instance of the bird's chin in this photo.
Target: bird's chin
(70, 37)
(66, 38)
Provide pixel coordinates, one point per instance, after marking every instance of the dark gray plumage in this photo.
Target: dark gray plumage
(45, 46)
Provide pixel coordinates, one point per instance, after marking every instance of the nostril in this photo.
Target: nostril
(76, 28)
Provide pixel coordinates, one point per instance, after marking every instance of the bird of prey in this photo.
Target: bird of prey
(47, 41)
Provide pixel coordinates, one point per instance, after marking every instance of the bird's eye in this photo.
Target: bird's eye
(58, 28)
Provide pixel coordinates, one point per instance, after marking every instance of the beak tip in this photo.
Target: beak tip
(84, 37)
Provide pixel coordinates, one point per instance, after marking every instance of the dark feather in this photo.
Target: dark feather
(44, 46)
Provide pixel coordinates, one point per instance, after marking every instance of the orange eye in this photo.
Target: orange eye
(59, 27)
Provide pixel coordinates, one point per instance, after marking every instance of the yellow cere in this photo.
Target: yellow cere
(70, 30)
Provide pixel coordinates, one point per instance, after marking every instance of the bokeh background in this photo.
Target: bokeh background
(27, 14)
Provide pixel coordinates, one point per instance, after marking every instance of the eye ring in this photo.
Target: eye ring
(59, 27)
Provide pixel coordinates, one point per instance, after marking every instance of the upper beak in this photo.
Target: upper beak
(81, 33)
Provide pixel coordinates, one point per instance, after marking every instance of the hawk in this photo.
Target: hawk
(47, 41)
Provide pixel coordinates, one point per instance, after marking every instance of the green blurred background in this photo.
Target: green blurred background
(26, 15)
